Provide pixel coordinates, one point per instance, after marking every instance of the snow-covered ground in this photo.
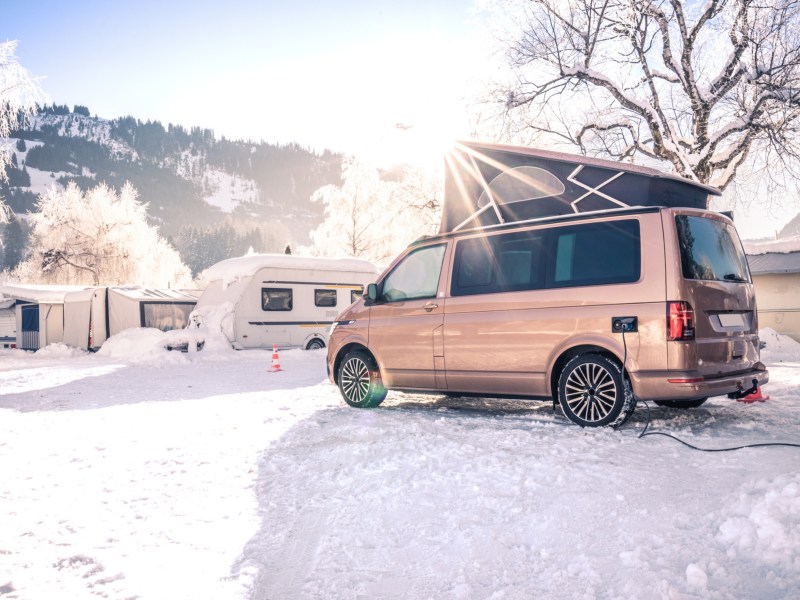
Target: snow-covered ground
(138, 473)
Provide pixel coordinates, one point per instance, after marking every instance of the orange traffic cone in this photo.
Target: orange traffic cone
(276, 363)
(754, 397)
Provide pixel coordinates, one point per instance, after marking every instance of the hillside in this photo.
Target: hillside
(194, 183)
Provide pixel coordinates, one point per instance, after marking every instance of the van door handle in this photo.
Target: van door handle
(430, 306)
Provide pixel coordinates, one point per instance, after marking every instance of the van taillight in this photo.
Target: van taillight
(680, 321)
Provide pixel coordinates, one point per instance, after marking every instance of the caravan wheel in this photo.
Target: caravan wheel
(315, 344)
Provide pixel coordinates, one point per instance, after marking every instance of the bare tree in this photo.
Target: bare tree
(19, 93)
(703, 86)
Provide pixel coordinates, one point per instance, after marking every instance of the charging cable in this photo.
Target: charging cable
(646, 433)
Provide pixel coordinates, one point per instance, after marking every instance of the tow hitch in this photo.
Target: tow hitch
(741, 393)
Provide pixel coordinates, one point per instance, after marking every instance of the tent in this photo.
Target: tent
(84, 317)
(93, 315)
(39, 312)
(489, 184)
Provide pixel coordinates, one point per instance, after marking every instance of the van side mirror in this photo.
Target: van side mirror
(372, 293)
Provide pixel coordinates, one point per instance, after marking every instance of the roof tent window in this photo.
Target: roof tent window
(276, 299)
(324, 297)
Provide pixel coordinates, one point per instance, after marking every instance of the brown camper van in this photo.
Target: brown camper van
(593, 309)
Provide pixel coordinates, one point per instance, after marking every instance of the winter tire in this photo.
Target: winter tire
(593, 392)
(315, 344)
(360, 380)
(680, 403)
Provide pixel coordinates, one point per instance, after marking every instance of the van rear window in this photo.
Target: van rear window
(710, 250)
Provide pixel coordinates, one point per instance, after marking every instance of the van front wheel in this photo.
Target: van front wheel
(593, 393)
(360, 380)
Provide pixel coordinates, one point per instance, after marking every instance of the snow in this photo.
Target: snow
(782, 246)
(233, 269)
(138, 472)
(227, 191)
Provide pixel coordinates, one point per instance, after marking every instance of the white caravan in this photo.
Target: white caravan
(265, 299)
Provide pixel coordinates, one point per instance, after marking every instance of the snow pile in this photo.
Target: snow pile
(147, 344)
(59, 351)
(233, 269)
(783, 246)
(215, 321)
(778, 348)
(763, 524)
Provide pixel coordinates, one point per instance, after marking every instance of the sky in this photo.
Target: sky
(340, 75)
(388, 81)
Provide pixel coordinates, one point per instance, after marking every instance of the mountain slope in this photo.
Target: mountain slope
(188, 177)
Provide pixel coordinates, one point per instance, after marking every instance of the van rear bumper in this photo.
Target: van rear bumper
(691, 385)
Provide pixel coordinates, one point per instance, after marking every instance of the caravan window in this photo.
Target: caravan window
(276, 299)
(324, 297)
(356, 294)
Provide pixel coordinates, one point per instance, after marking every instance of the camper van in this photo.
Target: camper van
(263, 300)
(588, 309)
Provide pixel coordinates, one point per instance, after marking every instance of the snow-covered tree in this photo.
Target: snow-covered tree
(19, 93)
(374, 215)
(705, 86)
(98, 237)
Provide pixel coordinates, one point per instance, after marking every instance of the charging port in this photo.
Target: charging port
(624, 324)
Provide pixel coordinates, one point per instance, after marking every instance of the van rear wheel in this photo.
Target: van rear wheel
(593, 393)
(360, 380)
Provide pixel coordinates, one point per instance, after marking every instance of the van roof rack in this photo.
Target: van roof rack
(494, 184)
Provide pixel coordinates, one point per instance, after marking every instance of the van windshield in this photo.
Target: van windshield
(710, 250)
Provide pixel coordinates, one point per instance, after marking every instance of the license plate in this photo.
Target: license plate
(731, 320)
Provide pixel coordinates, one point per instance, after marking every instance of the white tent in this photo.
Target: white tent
(39, 311)
(84, 317)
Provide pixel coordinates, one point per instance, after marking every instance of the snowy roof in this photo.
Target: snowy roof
(761, 264)
(247, 266)
(780, 246)
(39, 293)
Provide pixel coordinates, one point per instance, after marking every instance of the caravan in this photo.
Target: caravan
(266, 299)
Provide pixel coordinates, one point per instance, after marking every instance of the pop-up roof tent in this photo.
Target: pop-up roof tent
(489, 184)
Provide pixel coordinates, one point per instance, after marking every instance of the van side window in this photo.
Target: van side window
(596, 254)
(324, 297)
(501, 263)
(276, 299)
(416, 276)
(356, 294)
